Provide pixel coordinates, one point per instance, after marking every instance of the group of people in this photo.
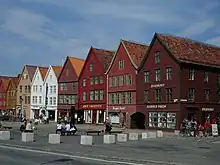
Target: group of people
(192, 128)
(27, 126)
(66, 128)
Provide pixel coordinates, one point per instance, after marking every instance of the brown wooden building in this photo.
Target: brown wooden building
(92, 85)
(68, 85)
(121, 86)
(179, 78)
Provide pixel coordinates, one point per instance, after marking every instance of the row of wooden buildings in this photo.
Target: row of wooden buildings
(138, 85)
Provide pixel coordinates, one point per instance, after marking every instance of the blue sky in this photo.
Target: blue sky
(43, 32)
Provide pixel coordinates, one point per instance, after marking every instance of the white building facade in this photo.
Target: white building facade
(51, 83)
(38, 93)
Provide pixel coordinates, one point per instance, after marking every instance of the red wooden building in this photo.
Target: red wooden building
(122, 74)
(92, 85)
(68, 85)
(179, 79)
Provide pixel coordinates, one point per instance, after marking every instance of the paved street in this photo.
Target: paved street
(167, 150)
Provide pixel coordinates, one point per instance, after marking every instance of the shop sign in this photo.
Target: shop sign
(118, 108)
(214, 130)
(157, 85)
(92, 106)
(181, 100)
(207, 109)
(156, 106)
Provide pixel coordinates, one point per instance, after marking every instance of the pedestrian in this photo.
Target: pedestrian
(29, 127)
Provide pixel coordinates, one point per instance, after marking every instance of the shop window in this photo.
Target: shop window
(146, 76)
(191, 74)
(157, 75)
(171, 120)
(206, 76)
(153, 119)
(168, 73)
(162, 119)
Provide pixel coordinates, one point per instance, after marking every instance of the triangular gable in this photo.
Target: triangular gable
(43, 72)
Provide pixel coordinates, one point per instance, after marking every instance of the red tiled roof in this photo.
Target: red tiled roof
(190, 51)
(104, 56)
(57, 70)
(136, 51)
(5, 82)
(77, 64)
(43, 71)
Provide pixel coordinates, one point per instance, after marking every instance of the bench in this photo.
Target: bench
(7, 127)
(115, 132)
(98, 132)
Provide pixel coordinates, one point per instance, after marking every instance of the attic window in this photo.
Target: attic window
(91, 67)
(121, 64)
(157, 57)
(67, 72)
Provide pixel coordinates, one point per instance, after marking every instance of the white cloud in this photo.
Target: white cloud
(198, 28)
(214, 41)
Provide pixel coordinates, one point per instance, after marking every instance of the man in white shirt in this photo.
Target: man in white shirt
(29, 127)
(59, 127)
(67, 127)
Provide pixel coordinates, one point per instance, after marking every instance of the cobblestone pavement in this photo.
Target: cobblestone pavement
(167, 150)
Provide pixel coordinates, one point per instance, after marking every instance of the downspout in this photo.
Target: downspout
(179, 96)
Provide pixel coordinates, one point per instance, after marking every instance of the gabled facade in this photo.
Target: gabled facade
(12, 95)
(92, 86)
(38, 93)
(68, 86)
(4, 82)
(121, 83)
(51, 83)
(24, 91)
(179, 79)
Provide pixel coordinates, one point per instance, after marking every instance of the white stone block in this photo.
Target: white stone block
(122, 137)
(86, 140)
(109, 139)
(151, 134)
(159, 133)
(133, 136)
(27, 137)
(177, 132)
(5, 135)
(144, 135)
(54, 138)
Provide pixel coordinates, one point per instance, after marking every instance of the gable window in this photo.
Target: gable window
(129, 79)
(121, 64)
(36, 88)
(67, 72)
(91, 95)
(206, 76)
(129, 97)
(40, 100)
(84, 96)
(146, 95)
(121, 80)
(146, 77)
(54, 89)
(20, 88)
(91, 68)
(101, 95)
(101, 80)
(51, 100)
(51, 89)
(206, 94)
(169, 95)
(114, 81)
(111, 81)
(54, 100)
(191, 74)
(29, 89)
(157, 57)
(191, 95)
(168, 73)
(40, 88)
(158, 95)
(84, 82)
(157, 75)
(25, 89)
(91, 80)
(29, 99)
(96, 80)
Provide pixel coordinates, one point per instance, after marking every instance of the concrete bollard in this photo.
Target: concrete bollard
(177, 132)
(86, 140)
(151, 134)
(122, 137)
(109, 139)
(54, 139)
(27, 137)
(144, 135)
(133, 136)
(5, 135)
(159, 133)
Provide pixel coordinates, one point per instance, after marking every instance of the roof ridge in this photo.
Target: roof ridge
(189, 39)
(76, 58)
(135, 42)
(111, 51)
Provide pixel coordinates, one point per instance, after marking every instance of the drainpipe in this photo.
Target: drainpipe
(107, 95)
(179, 96)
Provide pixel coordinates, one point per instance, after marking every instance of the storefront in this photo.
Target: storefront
(94, 113)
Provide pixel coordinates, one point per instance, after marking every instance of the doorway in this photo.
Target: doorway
(137, 121)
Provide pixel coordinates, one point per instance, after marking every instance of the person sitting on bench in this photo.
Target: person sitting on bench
(59, 127)
(23, 126)
(29, 127)
(67, 127)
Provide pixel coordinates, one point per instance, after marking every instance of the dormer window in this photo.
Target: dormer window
(121, 64)
(157, 57)
(91, 67)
